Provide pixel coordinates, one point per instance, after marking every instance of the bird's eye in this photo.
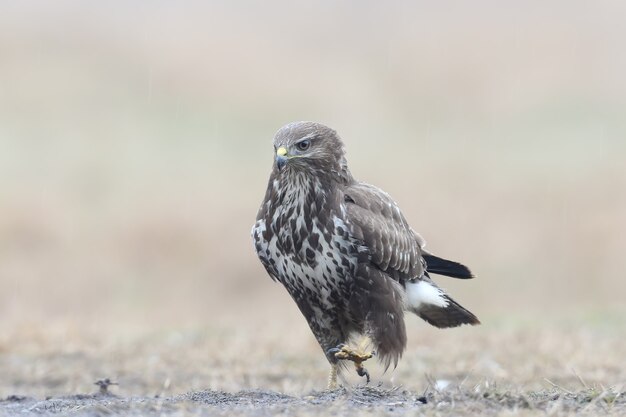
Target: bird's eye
(303, 145)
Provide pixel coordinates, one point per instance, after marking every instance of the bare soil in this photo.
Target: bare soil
(356, 401)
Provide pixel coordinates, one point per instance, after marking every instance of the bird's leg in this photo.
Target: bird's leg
(332, 377)
(343, 352)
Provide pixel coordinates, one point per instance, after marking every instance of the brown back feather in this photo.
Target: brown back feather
(377, 221)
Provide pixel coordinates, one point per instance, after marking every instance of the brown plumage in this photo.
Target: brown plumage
(344, 251)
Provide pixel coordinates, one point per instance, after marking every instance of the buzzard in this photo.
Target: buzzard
(345, 253)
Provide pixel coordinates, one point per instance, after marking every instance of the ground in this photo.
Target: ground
(492, 370)
(356, 401)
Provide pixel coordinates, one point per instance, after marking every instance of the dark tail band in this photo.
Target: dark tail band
(440, 266)
(453, 315)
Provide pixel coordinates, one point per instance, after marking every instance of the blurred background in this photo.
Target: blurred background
(135, 147)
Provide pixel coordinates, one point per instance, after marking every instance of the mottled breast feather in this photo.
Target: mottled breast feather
(377, 221)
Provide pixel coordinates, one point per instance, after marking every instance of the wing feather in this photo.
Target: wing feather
(377, 221)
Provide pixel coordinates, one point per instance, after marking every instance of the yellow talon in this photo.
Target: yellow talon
(346, 353)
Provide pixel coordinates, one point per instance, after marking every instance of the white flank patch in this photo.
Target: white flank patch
(424, 293)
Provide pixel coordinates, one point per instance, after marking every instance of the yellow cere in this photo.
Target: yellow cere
(282, 151)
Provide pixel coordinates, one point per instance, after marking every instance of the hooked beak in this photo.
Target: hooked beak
(281, 157)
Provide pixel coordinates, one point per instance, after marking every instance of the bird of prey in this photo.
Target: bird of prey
(345, 253)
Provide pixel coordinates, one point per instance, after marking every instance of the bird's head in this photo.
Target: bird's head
(308, 146)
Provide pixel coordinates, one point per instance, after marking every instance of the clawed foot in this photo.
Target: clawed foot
(343, 352)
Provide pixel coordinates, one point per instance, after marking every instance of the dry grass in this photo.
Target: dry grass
(260, 370)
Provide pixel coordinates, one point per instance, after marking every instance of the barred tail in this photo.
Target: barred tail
(453, 315)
